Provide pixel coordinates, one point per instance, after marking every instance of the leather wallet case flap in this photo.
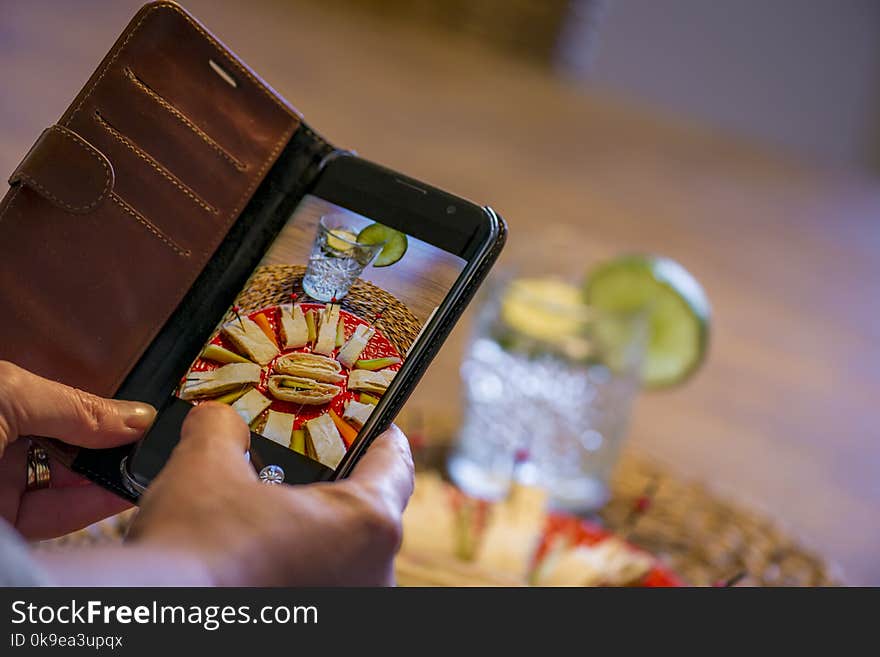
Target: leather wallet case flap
(116, 210)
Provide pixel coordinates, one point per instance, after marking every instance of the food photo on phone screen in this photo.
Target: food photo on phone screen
(321, 328)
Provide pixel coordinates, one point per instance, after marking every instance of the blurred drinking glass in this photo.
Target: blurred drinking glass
(549, 382)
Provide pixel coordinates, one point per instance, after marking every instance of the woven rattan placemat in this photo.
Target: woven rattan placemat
(704, 538)
(273, 284)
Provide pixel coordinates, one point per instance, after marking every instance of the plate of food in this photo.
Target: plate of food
(452, 539)
(305, 375)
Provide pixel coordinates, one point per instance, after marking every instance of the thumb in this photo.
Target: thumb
(387, 468)
(213, 436)
(32, 405)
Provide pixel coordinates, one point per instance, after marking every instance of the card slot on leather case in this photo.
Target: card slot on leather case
(116, 210)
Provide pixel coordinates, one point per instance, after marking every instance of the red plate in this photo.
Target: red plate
(378, 347)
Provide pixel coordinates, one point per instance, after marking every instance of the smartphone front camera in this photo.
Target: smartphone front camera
(450, 209)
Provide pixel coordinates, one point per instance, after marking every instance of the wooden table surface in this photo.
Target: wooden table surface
(783, 417)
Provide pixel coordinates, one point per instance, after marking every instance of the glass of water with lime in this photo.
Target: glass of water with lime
(553, 368)
(337, 259)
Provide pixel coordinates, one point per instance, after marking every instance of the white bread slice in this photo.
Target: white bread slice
(357, 413)
(326, 441)
(294, 330)
(326, 342)
(251, 404)
(279, 427)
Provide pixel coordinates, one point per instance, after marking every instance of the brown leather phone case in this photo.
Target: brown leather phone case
(114, 213)
(133, 222)
(116, 209)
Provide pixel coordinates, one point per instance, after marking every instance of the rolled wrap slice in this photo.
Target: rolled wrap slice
(310, 366)
(371, 382)
(300, 390)
(214, 383)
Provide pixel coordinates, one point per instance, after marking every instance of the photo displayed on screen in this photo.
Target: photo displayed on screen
(321, 328)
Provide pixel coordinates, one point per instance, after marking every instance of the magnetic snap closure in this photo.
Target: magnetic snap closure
(66, 170)
(272, 474)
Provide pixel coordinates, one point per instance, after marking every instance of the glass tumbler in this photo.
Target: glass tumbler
(336, 259)
(548, 384)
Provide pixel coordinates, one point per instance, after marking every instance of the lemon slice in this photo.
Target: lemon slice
(545, 315)
(677, 311)
(542, 308)
(340, 239)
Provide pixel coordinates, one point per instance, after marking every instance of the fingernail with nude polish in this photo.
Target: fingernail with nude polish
(137, 415)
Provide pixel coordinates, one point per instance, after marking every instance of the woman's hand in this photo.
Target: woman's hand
(207, 520)
(31, 405)
(208, 506)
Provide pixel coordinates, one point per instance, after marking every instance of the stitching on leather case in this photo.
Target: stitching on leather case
(149, 159)
(149, 225)
(233, 215)
(69, 206)
(185, 120)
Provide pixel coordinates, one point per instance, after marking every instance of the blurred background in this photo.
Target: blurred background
(740, 138)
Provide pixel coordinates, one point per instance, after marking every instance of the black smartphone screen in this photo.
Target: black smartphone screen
(321, 328)
(320, 321)
(331, 311)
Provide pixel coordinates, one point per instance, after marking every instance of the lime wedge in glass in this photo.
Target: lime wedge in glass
(677, 312)
(395, 243)
(340, 239)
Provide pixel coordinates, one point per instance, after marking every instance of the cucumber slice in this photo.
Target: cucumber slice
(395, 243)
(678, 312)
(374, 364)
(220, 355)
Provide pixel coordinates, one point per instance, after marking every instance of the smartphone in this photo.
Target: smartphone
(346, 298)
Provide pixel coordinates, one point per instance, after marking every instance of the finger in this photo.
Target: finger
(52, 512)
(32, 405)
(212, 431)
(388, 467)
